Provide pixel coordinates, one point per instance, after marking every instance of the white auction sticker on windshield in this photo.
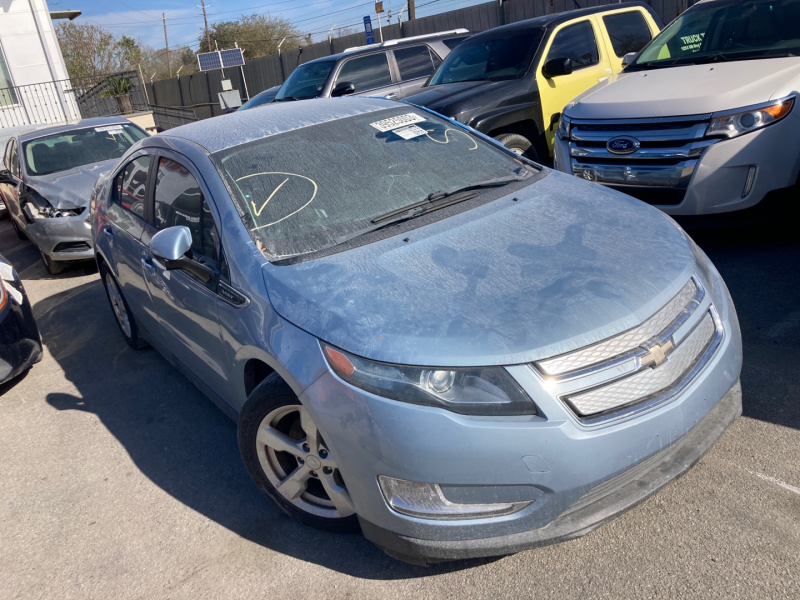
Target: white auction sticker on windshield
(409, 132)
(109, 128)
(398, 121)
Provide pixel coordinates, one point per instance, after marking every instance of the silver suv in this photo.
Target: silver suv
(389, 69)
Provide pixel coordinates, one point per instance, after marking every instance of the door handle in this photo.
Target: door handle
(108, 231)
(147, 263)
(392, 95)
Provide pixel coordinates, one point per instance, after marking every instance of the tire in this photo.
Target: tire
(122, 312)
(53, 267)
(288, 460)
(518, 144)
(20, 234)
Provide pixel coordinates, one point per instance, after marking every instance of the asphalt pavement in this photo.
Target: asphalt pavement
(118, 479)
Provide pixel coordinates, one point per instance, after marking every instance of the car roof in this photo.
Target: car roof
(555, 19)
(398, 43)
(72, 126)
(239, 127)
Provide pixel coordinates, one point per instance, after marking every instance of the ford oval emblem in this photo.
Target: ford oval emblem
(622, 145)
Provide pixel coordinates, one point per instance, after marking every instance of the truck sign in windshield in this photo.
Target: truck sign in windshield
(726, 30)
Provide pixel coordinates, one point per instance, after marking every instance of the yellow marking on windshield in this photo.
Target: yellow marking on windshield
(258, 211)
(447, 140)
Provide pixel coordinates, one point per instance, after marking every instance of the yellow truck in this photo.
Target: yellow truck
(512, 82)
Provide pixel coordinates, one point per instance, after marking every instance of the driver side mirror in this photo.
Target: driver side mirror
(628, 58)
(171, 246)
(343, 88)
(557, 66)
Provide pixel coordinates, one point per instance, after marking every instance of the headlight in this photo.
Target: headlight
(473, 391)
(732, 123)
(563, 127)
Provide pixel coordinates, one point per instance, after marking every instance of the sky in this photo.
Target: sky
(141, 19)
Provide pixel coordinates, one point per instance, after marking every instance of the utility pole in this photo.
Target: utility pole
(205, 20)
(166, 43)
(411, 14)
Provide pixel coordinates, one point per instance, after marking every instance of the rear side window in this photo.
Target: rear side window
(628, 32)
(578, 43)
(366, 72)
(179, 201)
(414, 62)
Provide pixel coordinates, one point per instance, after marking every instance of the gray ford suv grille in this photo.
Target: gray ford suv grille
(657, 159)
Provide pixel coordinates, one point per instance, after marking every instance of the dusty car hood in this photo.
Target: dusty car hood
(451, 99)
(688, 90)
(509, 282)
(71, 188)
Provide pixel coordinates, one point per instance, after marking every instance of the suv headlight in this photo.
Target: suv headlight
(563, 127)
(733, 123)
(486, 391)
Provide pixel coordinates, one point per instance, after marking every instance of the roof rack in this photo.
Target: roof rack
(408, 39)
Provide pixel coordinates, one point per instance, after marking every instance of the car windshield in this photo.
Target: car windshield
(70, 149)
(726, 30)
(503, 55)
(306, 81)
(310, 188)
(264, 97)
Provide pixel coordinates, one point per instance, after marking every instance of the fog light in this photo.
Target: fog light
(426, 500)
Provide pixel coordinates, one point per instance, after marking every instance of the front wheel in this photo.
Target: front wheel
(53, 266)
(18, 231)
(289, 461)
(518, 144)
(122, 312)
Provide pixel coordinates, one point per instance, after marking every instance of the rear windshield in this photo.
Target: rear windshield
(70, 149)
(726, 30)
(306, 81)
(299, 191)
(504, 55)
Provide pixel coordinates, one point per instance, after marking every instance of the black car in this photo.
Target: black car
(512, 82)
(20, 342)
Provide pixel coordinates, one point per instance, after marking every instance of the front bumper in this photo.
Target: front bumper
(728, 175)
(573, 474)
(62, 238)
(597, 506)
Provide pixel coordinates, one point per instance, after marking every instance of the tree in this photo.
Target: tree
(128, 53)
(257, 35)
(88, 50)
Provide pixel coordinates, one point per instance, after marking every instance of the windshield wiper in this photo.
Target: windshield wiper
(488, 183)
(434, 201)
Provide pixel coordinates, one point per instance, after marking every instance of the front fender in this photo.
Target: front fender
(506, 116)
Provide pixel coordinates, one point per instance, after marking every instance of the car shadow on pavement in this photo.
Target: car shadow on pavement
(181, 441)
(760, 267)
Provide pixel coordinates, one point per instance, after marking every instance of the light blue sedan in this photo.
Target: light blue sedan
(420, 333)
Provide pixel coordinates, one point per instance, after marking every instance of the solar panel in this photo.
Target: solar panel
(209, 61)
(232, 57)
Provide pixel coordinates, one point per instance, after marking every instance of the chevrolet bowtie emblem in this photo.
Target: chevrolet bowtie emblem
(657, 354)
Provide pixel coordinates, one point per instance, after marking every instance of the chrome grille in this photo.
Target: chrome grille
(666, 158)
(625, 342)
(649, 381)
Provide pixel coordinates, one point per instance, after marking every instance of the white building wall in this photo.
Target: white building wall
(33, 56)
